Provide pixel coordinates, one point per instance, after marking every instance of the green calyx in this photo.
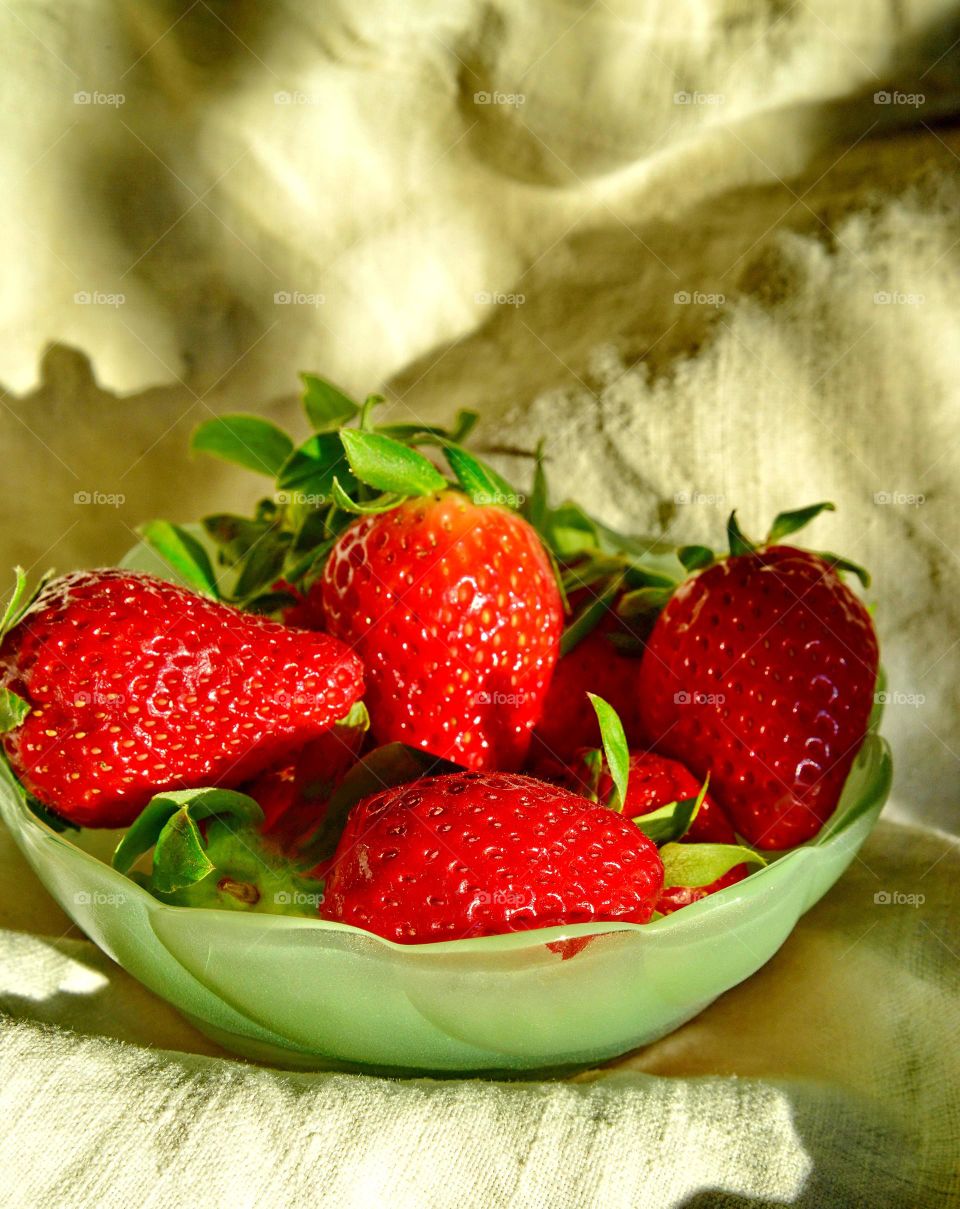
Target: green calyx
(207, 852)
(348, 466)
(13, 707)
(785, 524)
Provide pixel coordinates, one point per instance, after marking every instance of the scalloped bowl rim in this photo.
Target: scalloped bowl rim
(834, 830)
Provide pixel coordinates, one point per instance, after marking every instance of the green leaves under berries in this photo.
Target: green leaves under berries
(181, 862)
(327, 407)
(615, 749)
(384, 463)
(703, 864)
(183, 554)
(248, 441)
(13, 710)
(21, 598)
(480, 481)
(672, 822)
(695, 558)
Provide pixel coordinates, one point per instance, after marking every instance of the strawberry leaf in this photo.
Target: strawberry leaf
(538, 505)
(614, 748)
(738, 543)
(592, 762)
(248, 441)
(327, 407)
(13, 710)
(389, 466)
(383, 503)
(786, 523)
(695, 558)
(179, 857)
(414, 434)
(702, 864)
(844, 564)
(590, 617)
(145, 831)
(644, 602)
(262, 564)
(673, 821)
(311, 468)
(480, 481)
(21, 599)
(183, 554)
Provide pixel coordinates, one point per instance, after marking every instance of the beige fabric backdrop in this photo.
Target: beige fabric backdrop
(710, 248)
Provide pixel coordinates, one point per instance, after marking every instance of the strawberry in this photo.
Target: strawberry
(476, 854)
(136, 685)
(657, 781)
(454, 609)
(594, 665)
(761, 671)
(672, 898)
(293, 794)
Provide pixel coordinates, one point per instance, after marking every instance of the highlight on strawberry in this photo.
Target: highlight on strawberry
(404, 695)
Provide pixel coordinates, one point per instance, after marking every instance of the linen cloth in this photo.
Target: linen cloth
(710, 250)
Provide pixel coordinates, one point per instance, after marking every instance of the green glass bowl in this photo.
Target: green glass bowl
(308, 993)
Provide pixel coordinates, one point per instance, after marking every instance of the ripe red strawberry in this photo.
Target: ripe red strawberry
(454, 610)
(293, 794)
(569, 721)
(656, 781)
(136, 685)
(475, 854)
(672, 898)
(761, 671)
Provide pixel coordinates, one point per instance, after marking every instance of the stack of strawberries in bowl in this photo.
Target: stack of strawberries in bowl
(402, 698)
